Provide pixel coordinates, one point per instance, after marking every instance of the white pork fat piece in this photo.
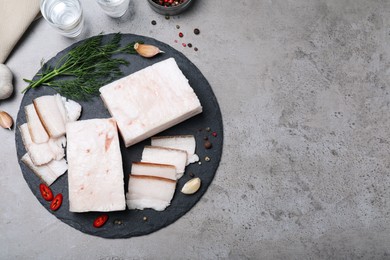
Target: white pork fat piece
(95, 174)
(48, 173)
(149, 192)
(57, 146)
(154, 169)
(150, 101)
(51, 115)
(61, 107)
(43, 153)
(37, 131)
(73, 110)
(182, 142)
(163, 155)
(70, 110)
(54, 111)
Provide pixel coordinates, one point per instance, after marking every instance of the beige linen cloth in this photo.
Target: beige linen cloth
(15, 17)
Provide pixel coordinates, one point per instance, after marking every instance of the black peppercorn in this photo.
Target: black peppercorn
(207, 144)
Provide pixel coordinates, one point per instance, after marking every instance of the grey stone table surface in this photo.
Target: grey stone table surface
(303, 88)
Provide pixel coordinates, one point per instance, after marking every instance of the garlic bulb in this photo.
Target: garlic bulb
(6, 87)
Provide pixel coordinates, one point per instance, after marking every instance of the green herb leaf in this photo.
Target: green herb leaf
(85, 68)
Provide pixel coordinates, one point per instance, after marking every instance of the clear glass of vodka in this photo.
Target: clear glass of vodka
(66, 16)
(114, 8)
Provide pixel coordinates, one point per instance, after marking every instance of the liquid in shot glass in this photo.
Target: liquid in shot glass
(66, 16)
(114, 8)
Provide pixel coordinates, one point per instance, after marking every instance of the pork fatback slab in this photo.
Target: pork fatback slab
(95, 173)
(150, 101)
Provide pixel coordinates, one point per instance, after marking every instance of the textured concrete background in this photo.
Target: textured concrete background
(303, 87)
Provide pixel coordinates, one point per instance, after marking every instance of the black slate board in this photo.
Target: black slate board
(129, 223)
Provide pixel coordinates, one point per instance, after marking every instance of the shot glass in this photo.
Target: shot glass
(114, 8)
(65, 16)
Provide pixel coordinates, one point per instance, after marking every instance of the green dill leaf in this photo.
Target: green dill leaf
(84, 69)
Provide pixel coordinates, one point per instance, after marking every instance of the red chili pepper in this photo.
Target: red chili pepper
(100, 220)
(56, 203)
(46, 192)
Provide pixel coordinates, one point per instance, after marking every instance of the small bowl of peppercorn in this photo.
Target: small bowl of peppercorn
(170, 7)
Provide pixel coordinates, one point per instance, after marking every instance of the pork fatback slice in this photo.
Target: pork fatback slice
(51, 115)
(37, 131)
(163, 155)
(149, 192)
(48, 173)
(154, 169)
(95, 174)
(72, 108)
(57, 146)
(38, 153)
(61, 107)
(41, 154)
(150, 101)
(58, 167)
(182, 142)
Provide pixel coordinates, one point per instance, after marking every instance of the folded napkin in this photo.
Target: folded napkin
(15, 18)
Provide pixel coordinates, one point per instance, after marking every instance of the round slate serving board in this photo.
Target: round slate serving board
(129, 223)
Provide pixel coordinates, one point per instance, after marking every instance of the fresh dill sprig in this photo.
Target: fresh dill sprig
(85, 68)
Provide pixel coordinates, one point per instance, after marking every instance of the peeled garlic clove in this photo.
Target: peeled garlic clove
(146, 50)
(6, 120)
(191, 186)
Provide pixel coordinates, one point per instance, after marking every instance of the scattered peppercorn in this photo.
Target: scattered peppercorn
(181, 34)
(205, 138)
(207, 145)
(118, 222)
(184, 45)
(207, 159)
(167, 17)
(176, 41)
(189, 45)
(214, 134)
(192, 175)
(199, 163)
(208, 129)
(177, 26)
(145, 218)
(195, 49)
(196, 31)
(154, 22)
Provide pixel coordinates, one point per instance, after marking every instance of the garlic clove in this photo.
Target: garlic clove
(146, 50)
(6, 120)
(191, 186)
